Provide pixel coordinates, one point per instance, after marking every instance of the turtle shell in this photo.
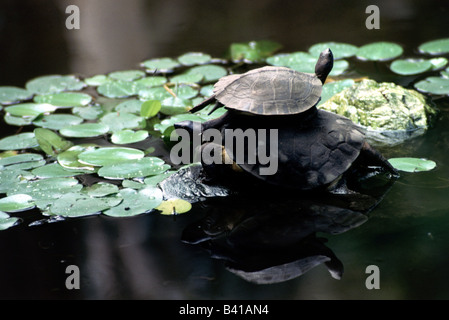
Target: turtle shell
(309, 154)
(269, 91)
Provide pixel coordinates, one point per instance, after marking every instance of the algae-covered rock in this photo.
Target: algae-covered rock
(389, 113)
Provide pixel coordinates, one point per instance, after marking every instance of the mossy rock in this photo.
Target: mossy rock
(390, 113)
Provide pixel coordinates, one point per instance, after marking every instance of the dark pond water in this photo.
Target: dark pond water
(406, 236)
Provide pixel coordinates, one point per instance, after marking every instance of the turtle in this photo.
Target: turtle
(271, 90)
(315, 148)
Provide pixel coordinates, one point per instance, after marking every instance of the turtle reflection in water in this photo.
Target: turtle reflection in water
(315, 148)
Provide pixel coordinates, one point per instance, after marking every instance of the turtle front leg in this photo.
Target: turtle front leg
(373, 157)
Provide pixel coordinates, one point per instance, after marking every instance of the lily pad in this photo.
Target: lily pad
(143, 167)
(85, 130)
(89, 112)
(109, 155)
(10, 94)
(16, 203)
(64, 99)
(253, 51)
(127, 136)
(30, 109)
(127, 75)
(193, 58)
(69, 158)
(101, 189)
(11, 177)
(117, 89)
(54, 83)
(57, 121)
(439, 46)
(187, 78)
(379, 51)
(19, 141)
(438, 63)
(55, 170)
(7, 222)
(410, 66)
(96, 80)
(209, 72)
(150, 108)
(136, 202)
(435, 85)
(79, 204)
(149, 82)
(160, 65)
(339, 49)
(332, 88)
(117, 121)
(412, 164)
(174, 206)
(50, 142)
(23, 161)
(155, 93)
(172, 106)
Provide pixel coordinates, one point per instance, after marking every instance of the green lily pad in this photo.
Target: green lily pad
(11, 177)
(149, 82)
(129, 106)
(150, 108)
(332, 88)
(193, 58)
(209, 72)
(69, 158)
(89, 112)
(253, 51)
(127, 136)
(22, 161)
(101, 189)
(16, 203)
(117, 89)
(18, 121)
(439, 46)
(9, 94)
(50, 142)
(136, 202)
(143, 167)
(7, 222)
(379, 51)
(435, 85)
(127, 75)
(57, 121)
(117, 121)
(154, 180)
(109, 156)
(85, 130)
(55, 170)
(410, 66)
(438, 63)
(54, 84)
(79, 205)
(19, 141)
(169, 122)
(96, 80)
(174, 206)
(160, 65)
(187, 78)
(64, 99)
(30, 109)
(412, 164)
(339, 50)
(154, 93)
(172, 106)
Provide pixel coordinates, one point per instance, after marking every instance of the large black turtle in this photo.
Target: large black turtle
(314, 147)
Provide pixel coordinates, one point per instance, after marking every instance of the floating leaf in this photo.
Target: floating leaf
(64, 99)
(172, 106)
(69, 158)
(85, 130)
(149, 82)
(174, 206)
(79, 204)
(155, 93)
(54, 84)
(16, 203)
(9, 94)
(439, 46)
(18, 121)
(7, 222)
(435, 85)
(96, 80)
(101, 189)
(339, 50)
(160, 65)
(117, 89)
(410, 66)
(127, 136)
(89, 112)
(139, 168)
(50, 142)
(55, 170)
(109, 155)
(438, 63)
(127, 75)
(11, 177)
(129, 106)
(19, 141)
(117, 121)
(253, 51)
(332, 88)
(193, 58)
(209, 72)
(150, 108)
(136, 202)
(412, 164)
(154, 180)
(29, 109)
(22, 161)
(379, 51)
(169, 122)
(57, 121)
(187, 78)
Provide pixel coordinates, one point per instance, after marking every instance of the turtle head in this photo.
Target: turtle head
(324, 65)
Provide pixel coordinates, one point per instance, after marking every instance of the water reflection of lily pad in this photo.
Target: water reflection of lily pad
(85, 130)
(143, 167)
(439, 46)
(19, 141)
(54, 84)
(136, 202)
(10, 94)
(379, 51)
